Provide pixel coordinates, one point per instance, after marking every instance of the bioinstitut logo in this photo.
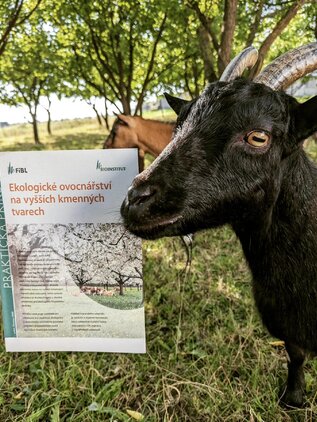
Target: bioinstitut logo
(101, 167)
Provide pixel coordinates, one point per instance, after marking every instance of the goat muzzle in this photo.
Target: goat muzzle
(137, 205)
(145, 213)
(142, 195)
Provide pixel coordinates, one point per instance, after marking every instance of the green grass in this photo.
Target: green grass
(209, 357)
(160, 114)
(68, 134)
(131, 299)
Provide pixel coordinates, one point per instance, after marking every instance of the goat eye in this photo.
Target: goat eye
(257, 138)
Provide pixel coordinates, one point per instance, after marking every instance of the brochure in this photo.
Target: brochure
(71, 275)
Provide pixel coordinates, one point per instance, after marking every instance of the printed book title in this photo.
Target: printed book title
(49, 193)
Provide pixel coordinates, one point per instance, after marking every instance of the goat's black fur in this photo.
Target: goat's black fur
(209, 176)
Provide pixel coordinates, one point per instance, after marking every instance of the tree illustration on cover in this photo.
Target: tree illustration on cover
(105, 262)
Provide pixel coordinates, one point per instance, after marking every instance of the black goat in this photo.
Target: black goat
(237, 158)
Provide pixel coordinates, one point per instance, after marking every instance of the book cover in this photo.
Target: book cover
(71, 275)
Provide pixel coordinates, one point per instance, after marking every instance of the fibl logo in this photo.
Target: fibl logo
(12, 169)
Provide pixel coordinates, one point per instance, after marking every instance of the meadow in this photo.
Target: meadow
(131, 299)
(208, 359)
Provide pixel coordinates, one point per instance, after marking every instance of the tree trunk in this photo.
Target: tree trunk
(196, 79)
(206, 47)
(97, 114)
(49, 118)
(35, 129)
(229, 24)
(121, 289)
(150, 66)
(49, 121)
(255, 25)
(276, 32)
(106, 116)
(126, 106)
(138, 109)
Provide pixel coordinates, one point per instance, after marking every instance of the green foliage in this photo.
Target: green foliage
(121, 49)
(300, 31)
(26, 66)
(126, 51)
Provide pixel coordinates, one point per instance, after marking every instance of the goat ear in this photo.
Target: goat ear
(305, 119)
(127, 120)
(175, 103)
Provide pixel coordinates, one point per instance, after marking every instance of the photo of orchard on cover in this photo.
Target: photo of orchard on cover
(73, 267)
(101, 259)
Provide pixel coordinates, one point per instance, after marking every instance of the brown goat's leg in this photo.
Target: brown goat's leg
(295, 388)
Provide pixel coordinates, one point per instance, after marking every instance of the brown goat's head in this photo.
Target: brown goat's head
(227, 157)
(122, 134)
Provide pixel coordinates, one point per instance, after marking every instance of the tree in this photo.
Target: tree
(124, 51)
(12, 16)
(109, 253)
(122, 278)
(281, 23)
(119, 46)
(93, 253)
(260, 22)
(47, 108)
(26, 68)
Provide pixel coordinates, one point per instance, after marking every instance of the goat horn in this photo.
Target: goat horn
(247, 58)
(289, 67)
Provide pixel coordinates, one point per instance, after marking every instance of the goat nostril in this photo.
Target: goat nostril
(138, 196)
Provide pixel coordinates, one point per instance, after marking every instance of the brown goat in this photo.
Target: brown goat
(149, 136)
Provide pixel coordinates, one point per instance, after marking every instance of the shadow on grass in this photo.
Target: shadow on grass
(23, 146)
(79, 140)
